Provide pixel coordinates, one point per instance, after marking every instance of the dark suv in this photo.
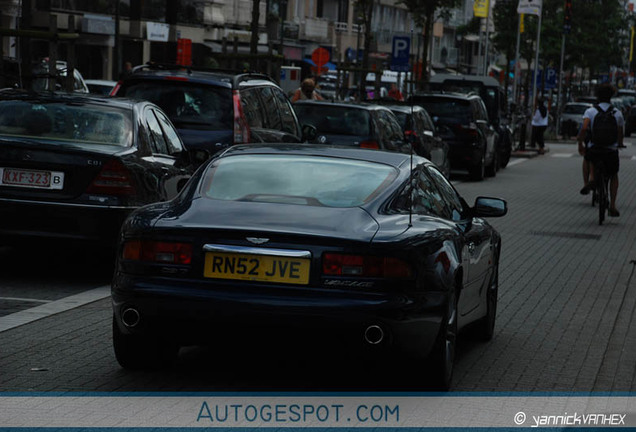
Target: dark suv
(494, 98)
(462, 121)
(353, 124)
(215, 109)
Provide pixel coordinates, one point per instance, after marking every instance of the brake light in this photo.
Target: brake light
(470, 129)
(241, 129)
(334, 264)
(370, 145)
(113, 179)
(176, 78)
(115, 89)
(158, 252)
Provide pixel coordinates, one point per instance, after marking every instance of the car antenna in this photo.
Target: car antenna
(411, 145)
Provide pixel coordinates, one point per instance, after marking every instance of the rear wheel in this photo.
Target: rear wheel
(602, 197)
(142, 352)
(442, 358)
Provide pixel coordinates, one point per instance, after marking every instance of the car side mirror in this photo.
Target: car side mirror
(198, 156)
(309, 133)
(489, 207)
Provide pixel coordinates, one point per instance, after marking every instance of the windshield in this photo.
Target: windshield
(68, 122)
(328, 119)
(189, 106)
(294, 179)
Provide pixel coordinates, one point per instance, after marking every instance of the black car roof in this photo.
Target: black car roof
(487, 81)
(27, 95)
(394, 159)
(361, 105)
(218, 77)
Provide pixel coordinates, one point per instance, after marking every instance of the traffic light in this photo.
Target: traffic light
(567, 16)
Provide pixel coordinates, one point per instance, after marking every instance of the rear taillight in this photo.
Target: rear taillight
(370, 145)
(115, 89)
(158, 252)
(241, 129)
(469, 129)
(113, 179)
(334, 264)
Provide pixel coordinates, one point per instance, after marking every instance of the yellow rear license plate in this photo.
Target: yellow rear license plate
(256, 268)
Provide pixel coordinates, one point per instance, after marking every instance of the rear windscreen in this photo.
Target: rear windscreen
(447, 108)
(335, 120)
(66, 122)
(189, 106)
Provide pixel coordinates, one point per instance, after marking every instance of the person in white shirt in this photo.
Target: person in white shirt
(539, 125)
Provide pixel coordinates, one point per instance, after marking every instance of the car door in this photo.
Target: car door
(164, 174)
(477, 248)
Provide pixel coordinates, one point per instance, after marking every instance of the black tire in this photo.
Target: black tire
(602, 197)
(442, 358)
(491, 170)
(136, 352)
(478, 172)
(485, 328)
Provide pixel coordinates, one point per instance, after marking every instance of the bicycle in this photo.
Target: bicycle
(600, 192)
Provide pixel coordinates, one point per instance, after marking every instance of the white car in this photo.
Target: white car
(572, 118)
(102, 87)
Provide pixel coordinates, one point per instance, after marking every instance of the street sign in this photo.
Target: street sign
(320, 56)
(400, 53)
(550, 78)
(530, 7)
(480, 8)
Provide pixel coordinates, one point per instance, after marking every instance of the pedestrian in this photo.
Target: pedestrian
(606, 125)
(127, 70)
(306, 91)
(539, 125)
(395, 93)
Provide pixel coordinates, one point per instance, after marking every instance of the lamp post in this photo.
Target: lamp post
(282, 12)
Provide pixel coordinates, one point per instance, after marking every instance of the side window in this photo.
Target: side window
(289, 122)
(448, 194)
(158, 143)
(427, 199)
(252, 108)
(270, 107)
(172, 139)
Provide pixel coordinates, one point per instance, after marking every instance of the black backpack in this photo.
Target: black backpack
(604, 128)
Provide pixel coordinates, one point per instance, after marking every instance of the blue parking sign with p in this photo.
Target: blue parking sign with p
(400, 53)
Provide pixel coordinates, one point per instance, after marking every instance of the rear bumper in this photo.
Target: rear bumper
(464, 155)
(191, 314)
(46, 220)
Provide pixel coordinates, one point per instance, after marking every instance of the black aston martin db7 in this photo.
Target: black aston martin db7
(375, 248)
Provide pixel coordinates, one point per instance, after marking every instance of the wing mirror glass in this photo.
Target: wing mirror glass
(489, 207)
(309, 133)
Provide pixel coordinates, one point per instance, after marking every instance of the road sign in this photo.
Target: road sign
(400, 53)
(320, 56)
(550, 78)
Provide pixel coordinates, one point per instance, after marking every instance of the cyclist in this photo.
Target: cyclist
(599, 147)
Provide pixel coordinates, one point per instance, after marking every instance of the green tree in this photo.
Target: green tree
(423, 13)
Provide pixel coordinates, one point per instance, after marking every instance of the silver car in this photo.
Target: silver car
(572, 118)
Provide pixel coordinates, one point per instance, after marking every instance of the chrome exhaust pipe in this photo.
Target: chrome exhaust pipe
(373, 335)
(130, 317)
